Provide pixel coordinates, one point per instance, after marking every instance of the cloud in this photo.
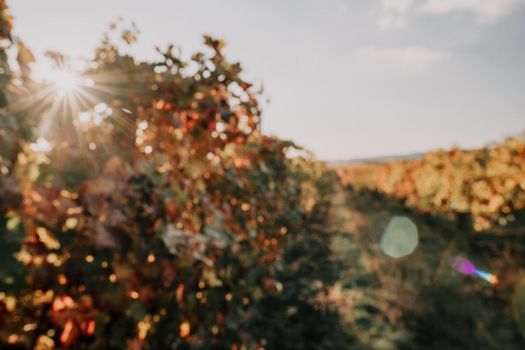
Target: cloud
(403, 59)
(396, 13)
(483, 10)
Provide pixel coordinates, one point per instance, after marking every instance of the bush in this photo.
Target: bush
(154, 214)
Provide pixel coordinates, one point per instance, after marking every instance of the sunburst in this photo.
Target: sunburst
(64, 81)
(68, 104)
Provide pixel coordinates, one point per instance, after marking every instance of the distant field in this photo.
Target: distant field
(465, 204)
(488, 184)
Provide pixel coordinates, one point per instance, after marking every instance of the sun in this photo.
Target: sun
(59, 80)
(64, 81)
(66, 95)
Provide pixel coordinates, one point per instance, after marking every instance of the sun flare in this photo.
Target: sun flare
(64, 81)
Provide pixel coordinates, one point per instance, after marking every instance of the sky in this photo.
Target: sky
(344, 78)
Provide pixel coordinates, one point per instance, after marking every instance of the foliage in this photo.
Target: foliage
(421, 301)
(464, 203)
(158, 216)
(488, 184)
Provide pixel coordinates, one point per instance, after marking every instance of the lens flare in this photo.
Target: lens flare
(466, 267)
(68, 97)
(64, 81)
(400, 237)
(61, 80)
